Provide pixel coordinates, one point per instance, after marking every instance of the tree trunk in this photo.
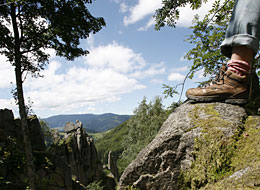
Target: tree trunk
(22, 109)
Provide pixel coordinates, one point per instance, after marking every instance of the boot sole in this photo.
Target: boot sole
(236, 101)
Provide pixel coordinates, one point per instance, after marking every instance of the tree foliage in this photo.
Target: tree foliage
(142, 128)
(47, 132)
(27, 29)
(207, 36)
(207, 33)
(170, 13)
(95, 186)
(127, 139)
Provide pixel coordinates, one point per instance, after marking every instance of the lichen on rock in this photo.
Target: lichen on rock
(200, 146)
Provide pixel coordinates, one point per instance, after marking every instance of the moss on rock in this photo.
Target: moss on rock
(223, 160)
(213, 149)
(245, 162)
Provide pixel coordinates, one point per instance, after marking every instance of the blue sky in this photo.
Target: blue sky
(128, 60)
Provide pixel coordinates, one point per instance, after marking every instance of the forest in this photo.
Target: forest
(61, 25)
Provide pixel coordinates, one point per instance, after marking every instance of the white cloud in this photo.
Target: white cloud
(199, 75)
(187, 14)
(123, 8)
(109, 72)
(176, 77)
(147, 7)
(8, 103)
(155, 69)
(182, 59)
(7, 74)
(156, 81)
(51, 52)
(142, 9)
(116, 57)
(181, 69)
(149, 24)
(104, 75)
(90, 42)
(78, 87)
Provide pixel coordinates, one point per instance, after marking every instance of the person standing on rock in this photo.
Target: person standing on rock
(240, 45)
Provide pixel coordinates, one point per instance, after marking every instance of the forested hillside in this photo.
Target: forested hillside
(92, 122)
(126, 140)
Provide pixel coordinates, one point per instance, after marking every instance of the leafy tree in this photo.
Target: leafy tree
(112, 141)
(28, 28)
(142, 128)
(207, 35)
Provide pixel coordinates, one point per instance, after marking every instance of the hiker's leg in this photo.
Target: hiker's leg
(242, 37)
(243, 30)
(241, 44)
(242, 53)
(241, 60)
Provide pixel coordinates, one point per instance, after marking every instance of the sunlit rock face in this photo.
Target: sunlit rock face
(78, 150)
(200, 146)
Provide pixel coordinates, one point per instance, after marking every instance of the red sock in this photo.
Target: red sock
(239, 67)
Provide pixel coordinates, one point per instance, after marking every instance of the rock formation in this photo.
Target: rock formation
(78, 151)
(9, 127)
(200, 146)
(112, 165)
(71, 163)
(52, 173)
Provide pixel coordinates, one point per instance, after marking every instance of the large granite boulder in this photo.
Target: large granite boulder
(199, 146)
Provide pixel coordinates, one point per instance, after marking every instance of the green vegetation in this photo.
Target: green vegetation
(93, 123)
(46, 132)
(245, 161)
(212, 153)
(97, 136)
(129, 138)
(13, 159)
(112, 141)
(207, 35)
(95, 186)
(142, 128)
(37, 26)
(218, 156)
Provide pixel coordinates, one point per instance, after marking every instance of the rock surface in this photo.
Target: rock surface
(71, 163)
(78, 151)
(112, 164)
(195, 148)
(10, 127)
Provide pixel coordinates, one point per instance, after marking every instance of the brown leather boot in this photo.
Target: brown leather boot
(230, 88)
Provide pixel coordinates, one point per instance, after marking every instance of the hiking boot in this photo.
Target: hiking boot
(230, 88)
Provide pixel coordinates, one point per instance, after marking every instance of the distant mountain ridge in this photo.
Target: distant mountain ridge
(92, 122)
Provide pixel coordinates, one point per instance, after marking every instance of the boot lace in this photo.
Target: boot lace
(219, 77)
